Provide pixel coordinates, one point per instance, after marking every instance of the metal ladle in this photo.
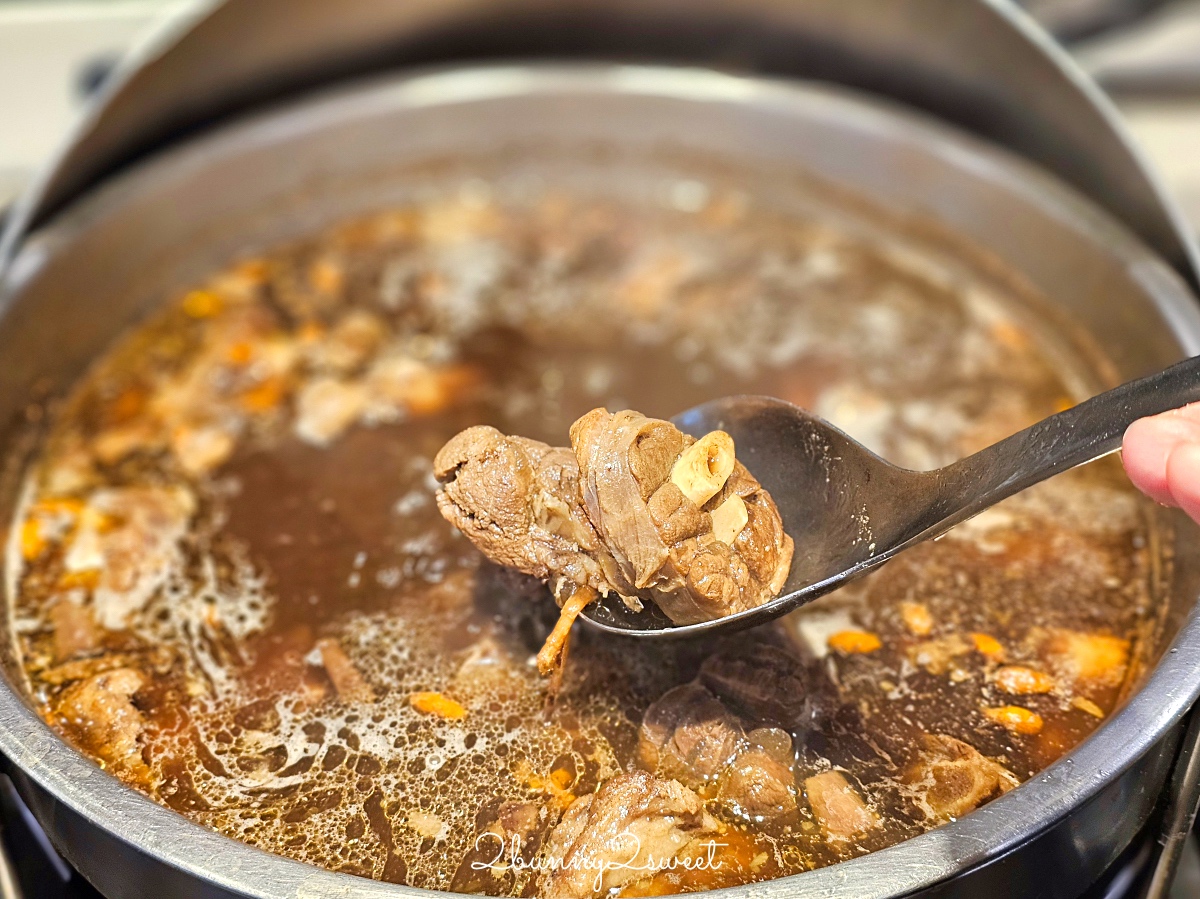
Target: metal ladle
(849, 511)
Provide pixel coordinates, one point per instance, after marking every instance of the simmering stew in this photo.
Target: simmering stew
(237, 594)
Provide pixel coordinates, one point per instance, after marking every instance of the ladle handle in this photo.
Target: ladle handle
(1092, 429)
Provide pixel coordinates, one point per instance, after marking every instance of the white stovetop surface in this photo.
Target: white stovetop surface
(45, 49)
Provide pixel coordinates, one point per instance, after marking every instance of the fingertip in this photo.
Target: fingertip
(1183, 478)
(1145, 450)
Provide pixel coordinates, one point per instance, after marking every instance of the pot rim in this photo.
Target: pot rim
(915, 864)
(131, 108)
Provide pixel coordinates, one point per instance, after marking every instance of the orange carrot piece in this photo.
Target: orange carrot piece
(33, 544)
(851, 642)
(202, 304)
(988, 646)
(1015, 718)
(437, 704)
(1022, 681)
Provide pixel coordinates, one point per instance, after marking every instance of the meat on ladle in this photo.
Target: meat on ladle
(634, 509)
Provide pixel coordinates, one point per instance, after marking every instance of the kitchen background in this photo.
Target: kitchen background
(1146, 53)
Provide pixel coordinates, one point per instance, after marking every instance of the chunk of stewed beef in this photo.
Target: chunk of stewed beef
(75, 630)
(950, 778)
(99, 713)
(685, 523)
(618, 834)
(690, 735)
(518, 500)
(634, 507)
(762, 683)
(842, 813)
(758, 785)
(127, 540)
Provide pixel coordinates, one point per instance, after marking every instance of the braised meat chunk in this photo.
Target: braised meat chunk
(690, 735)
(519, 501)
(762, 683)
(75, 630)
(686, 524)
(841, 811)
(635, 507)
(127, 541)
(100, 713)
(759, 785)
(625, 831)
(951, 778)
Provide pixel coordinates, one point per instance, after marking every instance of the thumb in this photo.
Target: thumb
(1161, 455)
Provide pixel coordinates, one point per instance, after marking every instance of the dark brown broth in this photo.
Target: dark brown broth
(568, 303)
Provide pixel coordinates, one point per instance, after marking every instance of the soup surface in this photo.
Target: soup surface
(235, 592)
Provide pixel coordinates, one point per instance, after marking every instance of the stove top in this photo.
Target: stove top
(34, 869)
